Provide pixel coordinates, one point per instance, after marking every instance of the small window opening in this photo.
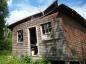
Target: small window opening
(33, 42)
(20, 35)
(46, 28)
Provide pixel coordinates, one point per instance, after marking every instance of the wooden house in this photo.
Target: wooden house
(58, 33)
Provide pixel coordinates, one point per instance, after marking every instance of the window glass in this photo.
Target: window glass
(46, 28)
(20, 36)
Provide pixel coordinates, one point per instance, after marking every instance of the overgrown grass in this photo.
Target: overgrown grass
(5, 52)
(9, 59)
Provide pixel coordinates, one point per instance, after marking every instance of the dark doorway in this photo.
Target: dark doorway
(33, 41)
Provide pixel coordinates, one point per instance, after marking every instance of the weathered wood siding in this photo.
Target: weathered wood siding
(75, 35)
(24, 48)
(67, 35)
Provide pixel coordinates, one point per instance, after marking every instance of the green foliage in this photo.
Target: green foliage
(5, 52)
(29, 60)
(6, 43)
(2, 43)
(26, 60)
(8, 38)
(8, 59)
(3, 15)
(42, 61)
(3, 8)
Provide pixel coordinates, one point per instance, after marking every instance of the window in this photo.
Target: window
(20, 36)
(46, 28)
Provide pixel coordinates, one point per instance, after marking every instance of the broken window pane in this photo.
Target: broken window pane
(46, 28)
(20, 35)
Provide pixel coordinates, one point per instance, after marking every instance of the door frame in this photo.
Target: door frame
(29, 47)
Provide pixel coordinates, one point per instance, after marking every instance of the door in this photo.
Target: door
(33, 41)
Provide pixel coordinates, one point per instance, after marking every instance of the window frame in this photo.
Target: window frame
(46, 28)
(22, 37)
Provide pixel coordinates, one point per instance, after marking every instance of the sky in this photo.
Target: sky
(19, 9)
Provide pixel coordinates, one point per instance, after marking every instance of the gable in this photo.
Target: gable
(53, 8)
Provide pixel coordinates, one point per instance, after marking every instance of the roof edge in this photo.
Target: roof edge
(49, 8)
(52, 9)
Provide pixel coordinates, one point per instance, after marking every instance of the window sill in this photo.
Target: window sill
(19, 42)
(49, 39)
(47, 33)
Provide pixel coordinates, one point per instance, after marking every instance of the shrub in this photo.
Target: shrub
(8, 59)
(42, 61)
(26, 60)
(5, 52)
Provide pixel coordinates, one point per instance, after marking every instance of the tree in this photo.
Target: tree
(3, 15)
(8, 38)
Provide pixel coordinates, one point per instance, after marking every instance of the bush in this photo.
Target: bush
(8, 59)
(42, 61)
(6, 41)
(26, 60)
(5, 52)
(29, 60)
(3, 44)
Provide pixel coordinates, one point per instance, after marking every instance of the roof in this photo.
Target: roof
(52, 9)
(72, 13)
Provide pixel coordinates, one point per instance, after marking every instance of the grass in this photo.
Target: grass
(7, 58)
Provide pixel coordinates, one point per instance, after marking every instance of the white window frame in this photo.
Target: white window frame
(46, 36)
(17, 37)
(44, 26)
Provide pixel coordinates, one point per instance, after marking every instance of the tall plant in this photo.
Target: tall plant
(3, 15)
